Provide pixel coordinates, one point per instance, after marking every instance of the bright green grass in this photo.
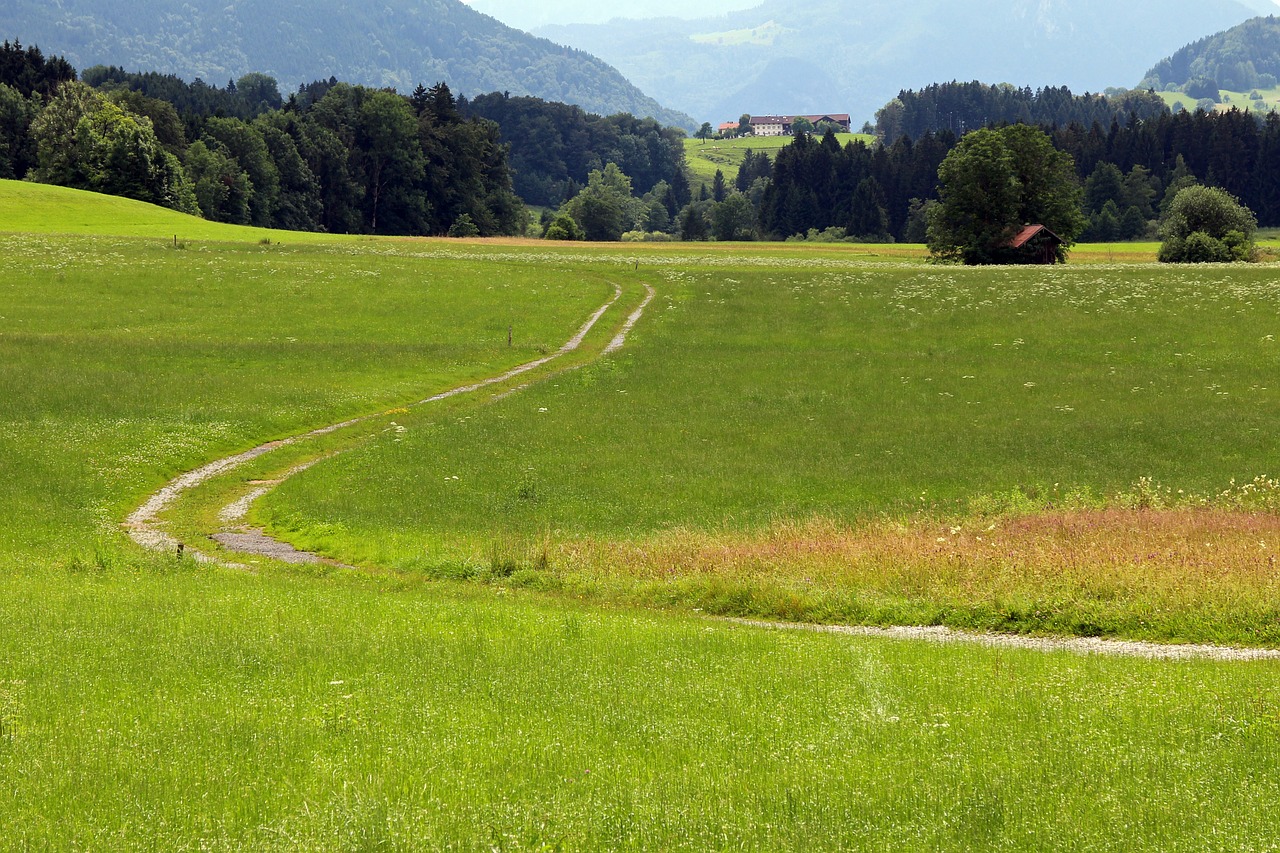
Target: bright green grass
(124, 362)
(755, 396)
(703, 158)
(43, 209)
(757, 393)
(148, 704)
(156, 709)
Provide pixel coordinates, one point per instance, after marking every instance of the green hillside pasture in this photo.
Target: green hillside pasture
(124, 361)
(42, 209)
(186, 709)
(1241, 100)
(703, 158)
(766, 420)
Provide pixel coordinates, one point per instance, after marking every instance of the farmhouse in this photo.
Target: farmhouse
(775, 125)
(1035, 244)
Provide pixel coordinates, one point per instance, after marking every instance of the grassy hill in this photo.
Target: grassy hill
(43, 209)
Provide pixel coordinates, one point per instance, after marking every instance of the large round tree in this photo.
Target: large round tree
(995, 182)
(1207, 224)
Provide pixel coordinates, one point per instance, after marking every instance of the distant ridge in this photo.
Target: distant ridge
(1240, 59)
(392, 43)
(824, 54)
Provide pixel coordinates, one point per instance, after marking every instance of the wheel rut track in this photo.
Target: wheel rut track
(145, 528)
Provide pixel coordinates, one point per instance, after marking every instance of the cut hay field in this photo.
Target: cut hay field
(457, 692)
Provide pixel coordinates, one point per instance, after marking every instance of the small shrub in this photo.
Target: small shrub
(464, 226)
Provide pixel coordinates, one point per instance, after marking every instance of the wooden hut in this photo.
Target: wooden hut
(1035, 244)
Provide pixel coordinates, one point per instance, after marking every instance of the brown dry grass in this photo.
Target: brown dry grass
(1204, 574)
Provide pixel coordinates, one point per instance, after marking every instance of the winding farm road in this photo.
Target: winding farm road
(146, 528)
(144, 525)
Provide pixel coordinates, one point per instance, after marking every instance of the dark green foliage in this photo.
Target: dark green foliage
(960, 107)
(17, 147)
(244, 144)
(752, 168)
(84, 140)
(993, 183)
(554, 145)
(693, 221)
(868, 222)
(222, 189)
(1241, 58)
(733, 219)
(605, 207)
(464, 227)
(563, 227)
(718, 187)
(1207, 224)
(30, 72)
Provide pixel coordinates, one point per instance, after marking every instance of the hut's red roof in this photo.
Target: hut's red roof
(1020, 239)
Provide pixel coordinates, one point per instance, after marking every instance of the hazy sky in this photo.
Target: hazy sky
(529, 15)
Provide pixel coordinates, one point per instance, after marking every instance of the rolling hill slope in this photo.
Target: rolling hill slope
(398, 43)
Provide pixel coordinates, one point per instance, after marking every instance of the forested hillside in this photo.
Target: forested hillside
(395, 43)
(1240, 59)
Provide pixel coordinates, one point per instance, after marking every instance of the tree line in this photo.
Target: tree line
(961, 107)
(1129, 173)
(554, 147)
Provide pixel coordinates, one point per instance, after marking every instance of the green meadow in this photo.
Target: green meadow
(704, 157)
(517, 662)
(1270, 100)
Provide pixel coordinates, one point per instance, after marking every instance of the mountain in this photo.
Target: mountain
(1240, 59)
(396, 43)
(528, 16)
(813, 56)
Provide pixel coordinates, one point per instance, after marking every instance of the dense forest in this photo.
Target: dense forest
(391, 44)
(1240, 59)
(1128, 171)
(334, 157)
(554, 147)
(960, 107)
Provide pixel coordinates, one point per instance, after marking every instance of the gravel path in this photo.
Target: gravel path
(1079, 645)
(145, 527)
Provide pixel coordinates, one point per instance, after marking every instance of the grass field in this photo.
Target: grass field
(847, 444)
(704, 157)
(152, 702)
(1241, 100)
